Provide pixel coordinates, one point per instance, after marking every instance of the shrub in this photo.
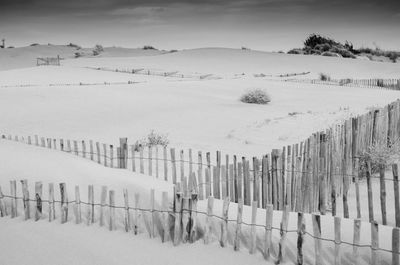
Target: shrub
(98, 49)
(393, 56)
(256, 96)
(324, 77)
(331, 54)
(34, 44)
(295, 51)
(10, 47)
(152, 139)
(148, 47)
(74, 46)
(323, 47)
(315, 39)
(78, 54)
(381, 155)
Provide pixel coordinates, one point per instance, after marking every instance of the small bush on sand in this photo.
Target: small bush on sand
(148, 47)
(76, 46)
(98, 49)
(152, 139)
(324, 77)
(256, 96)
(381, 155)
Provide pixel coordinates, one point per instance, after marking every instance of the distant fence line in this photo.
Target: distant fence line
(142, 71)
(179, 221)
(73, 84)
(48, 61)
(391, 84)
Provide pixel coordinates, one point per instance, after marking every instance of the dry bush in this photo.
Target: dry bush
(98, 49)
(152, 139)
(381, 155)
(256, 96)
(324, 77)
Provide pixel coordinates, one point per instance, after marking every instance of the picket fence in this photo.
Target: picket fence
(180, 221)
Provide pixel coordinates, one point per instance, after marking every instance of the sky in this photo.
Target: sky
(270, 25)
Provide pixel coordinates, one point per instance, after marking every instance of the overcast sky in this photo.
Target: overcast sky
(270, 25)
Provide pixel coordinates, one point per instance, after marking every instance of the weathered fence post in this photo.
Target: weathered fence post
(25, 195)
(208, 228)
(224, 223)
(64, 203)
(103, 201)
(13, 189)
(52, 210)
(238, 230)
(112, 210)
(38, 198)
(178, 218)
(253, 231)
(90, 206)
(127, 219)
(78, 212)
(301, 230)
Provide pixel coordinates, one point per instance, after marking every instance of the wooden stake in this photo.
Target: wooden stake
(395, 246)
(105, 155)
(91, 149)
(316, 221)
(370, 199)
(38, 198)
(152, 205)
(193, 216)
(178, 218)
(64, 203)
(172, 150)
(52, 210)
(166, 234)
(200, 176)
(137, 214)
(383, 194)
(375, 259)
(78, 215)
(165, 163)
(208, 228)
(253, 233)
(25, 195)
(133, 153)
(283, 231)
(224, 223)
(76, 148)
(98, 152)
(84, 148)
(301, 230)
(112, 210)
(338, 241)
(185, 220)
(356, 241)
(3, 208)
(208, 182)
(127, 219)
(396, 194)
(150, 161)
(238, 230)
(90, 206)
(103, 201)
(182, 166)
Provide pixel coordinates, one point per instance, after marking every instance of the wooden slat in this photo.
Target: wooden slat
(301, 230)
(224, 223)
(396, 194)
(141, 159)
(185, 219)
(64, 203)
(112, 210)
(173, 162)
(178, 218)
(395, 246)
(253, 231)
(52, 212)
(90, 206)
(152, 219)
(338, 241)
(238, 230)
(356, 241)
(370, 199)
(150, 161)
(133, 158)
(25, 198)
(208, 182)
(98, 152)
(209, 220)
(127, 218)
(137, 214)
(182, 165)
(193, 217)
(3, 207)
(78, 215)
(375, 258)
(200, 176)
(383, 194)
(103, 201)
(269, 210)
(165, 216)
(316, 221)
(165, 158)
(283, 231)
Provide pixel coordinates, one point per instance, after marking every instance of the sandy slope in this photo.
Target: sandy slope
(26, 56)
(205, 115)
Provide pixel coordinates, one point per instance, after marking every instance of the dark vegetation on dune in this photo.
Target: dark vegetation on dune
(319, 45)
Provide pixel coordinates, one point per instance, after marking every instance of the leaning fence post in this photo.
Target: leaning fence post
(137, 214)
(105, 155)
(165, 163)
(172, 150)
(64, 203)
(193, 216)
(150, 160)
(383, 194)
(224, 223)
(3, 208)
(84, 148)
(356, 241)
(185, 219)
(369, 187)
(98, 152)
(91, 149)
(38, 198)
(152, 220)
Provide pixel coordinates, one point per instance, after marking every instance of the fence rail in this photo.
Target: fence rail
(182, 221)
(391, 84)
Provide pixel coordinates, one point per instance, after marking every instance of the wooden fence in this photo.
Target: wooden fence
(319, 174)
(182, 220)
(48, 61)
(392, 84)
